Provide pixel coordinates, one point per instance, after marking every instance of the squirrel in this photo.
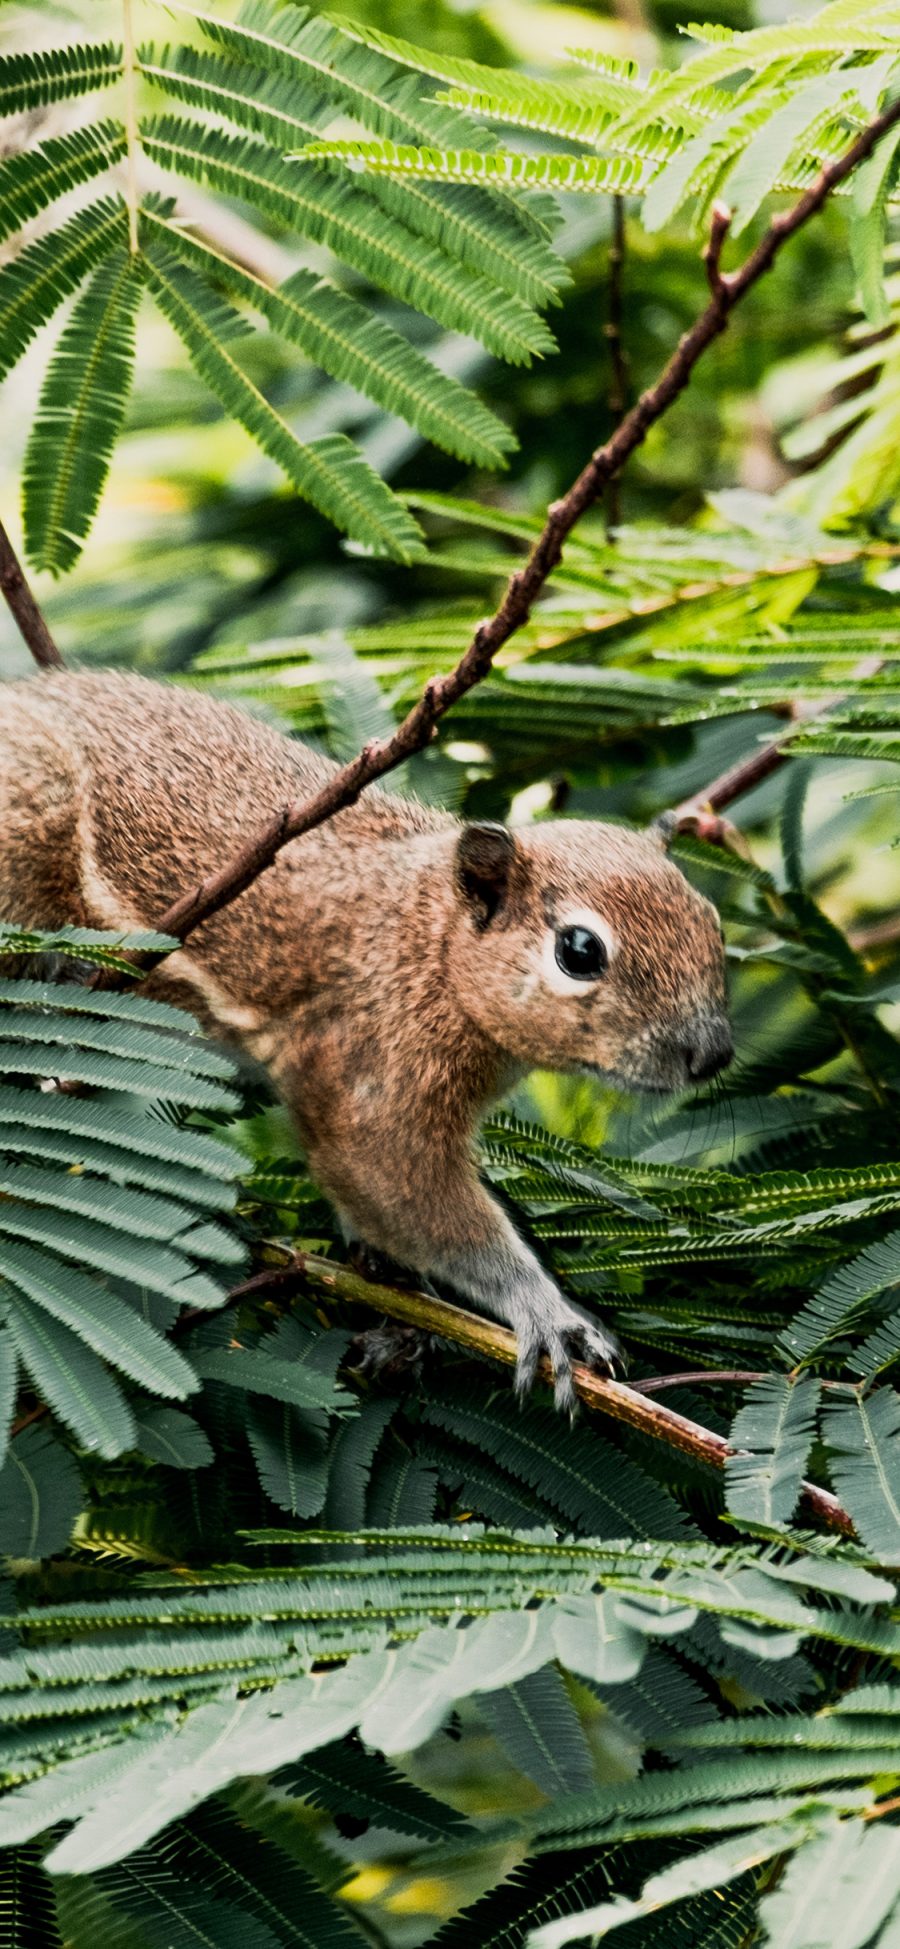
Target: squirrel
(395, 970)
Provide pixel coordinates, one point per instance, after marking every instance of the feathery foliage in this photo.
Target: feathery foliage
(253, 90)
(271, 1624)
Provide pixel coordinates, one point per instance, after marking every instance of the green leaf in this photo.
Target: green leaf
(281, 1380)
(712, 1868)
(36, 177)
(40, 1495)
(27, 1910)
(840, 1887)
(619, 175)
(195, 1164)
(345, 1779)
(762, 163)
(350, 1464)
(776, 1425)
(336, 332)
(591, 1483)
(863, 1440)
(100, 1316)
(330, 472)
(495, 237)
(9, 1374)
(68, 1375)
(80, 414)
(844, 1296)
(261, 1885)
(289, 1449)
(35, 282)
(51, 74)
(872, 184)
(331, 212)
(540, 1732)
(173, 1438)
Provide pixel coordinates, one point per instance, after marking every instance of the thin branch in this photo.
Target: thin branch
(614, 1398)
(698, 1376)
(24, 609)
(722, 1376)
(345, 786)
(882, 1807)
(700, 814)
(712, 256)
(618, 386)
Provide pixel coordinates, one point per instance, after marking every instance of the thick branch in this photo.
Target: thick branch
(199, 903)
(621, 1403)
(24, 609)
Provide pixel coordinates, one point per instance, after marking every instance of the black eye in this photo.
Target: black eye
(580, 953)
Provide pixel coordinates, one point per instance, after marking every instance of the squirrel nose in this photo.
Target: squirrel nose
(708, 1053)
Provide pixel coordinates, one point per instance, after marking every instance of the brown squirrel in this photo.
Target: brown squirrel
(395, 970)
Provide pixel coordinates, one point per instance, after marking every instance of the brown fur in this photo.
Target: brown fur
(390, 995)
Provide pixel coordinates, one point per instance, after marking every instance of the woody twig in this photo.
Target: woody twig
(21, 603)
(701, 813)
(380, 756)
(613, 1398)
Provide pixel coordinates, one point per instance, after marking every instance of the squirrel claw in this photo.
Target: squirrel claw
(575, 1338)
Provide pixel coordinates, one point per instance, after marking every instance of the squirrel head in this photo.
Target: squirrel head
(581, 947)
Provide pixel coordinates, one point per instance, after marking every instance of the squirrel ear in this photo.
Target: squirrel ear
(484, 862)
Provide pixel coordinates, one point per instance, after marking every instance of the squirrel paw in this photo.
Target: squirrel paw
(390, 1351)
(565, 1336)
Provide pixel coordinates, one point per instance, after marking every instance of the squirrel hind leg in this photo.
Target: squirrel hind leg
(389, 1351)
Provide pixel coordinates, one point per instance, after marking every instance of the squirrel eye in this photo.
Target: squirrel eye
(580, 953)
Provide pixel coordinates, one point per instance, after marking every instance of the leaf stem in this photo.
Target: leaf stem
(131, 127)
(612, 331)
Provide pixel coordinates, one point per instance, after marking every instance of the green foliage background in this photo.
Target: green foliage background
(288, 1657)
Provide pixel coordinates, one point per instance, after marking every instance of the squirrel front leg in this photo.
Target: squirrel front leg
(455, 1232)
(501, 1273)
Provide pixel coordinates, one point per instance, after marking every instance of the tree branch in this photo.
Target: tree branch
(24, 609)
(614, 1398)
(345, 787)
(699, 814)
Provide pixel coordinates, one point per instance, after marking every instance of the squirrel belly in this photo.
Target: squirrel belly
(394, 969)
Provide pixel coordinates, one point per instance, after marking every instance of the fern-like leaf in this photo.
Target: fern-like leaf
(81, 411)
(36, 177)
(37, 281)
(776, 1427)
(344, 340)
(70, 1378)
(329, 472)
(330, 212)
(40, 1495)
(540, 1732)
(620, 175)
(863, 1438)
